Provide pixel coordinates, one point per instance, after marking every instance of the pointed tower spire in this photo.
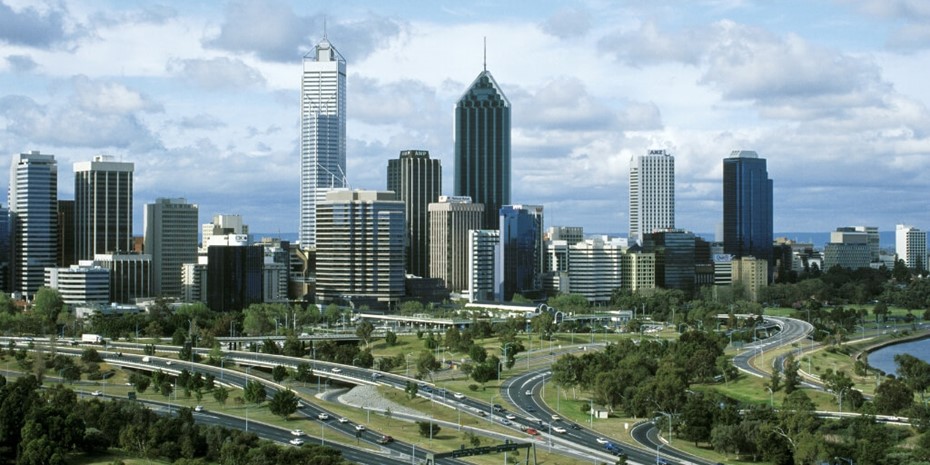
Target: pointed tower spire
(324, 27)
(485, 53)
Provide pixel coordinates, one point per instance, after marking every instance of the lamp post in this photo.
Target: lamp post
(772, 397)
(506, 347)
(658, 446)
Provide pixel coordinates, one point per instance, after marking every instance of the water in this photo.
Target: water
(883, 359)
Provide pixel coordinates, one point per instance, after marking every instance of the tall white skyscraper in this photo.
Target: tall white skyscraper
(911, 246)
(652, 193)
(322, 133)
(33, 198)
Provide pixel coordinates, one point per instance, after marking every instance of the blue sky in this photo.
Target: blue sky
(203, 98)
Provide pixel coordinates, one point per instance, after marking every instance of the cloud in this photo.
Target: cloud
(21, 63)
(200, 121)
(145, 14)
(567, 23)
(217, 73)
(910, 31)
(651, 45)
(406, 101)
(32, 28)
(274, 32)
(110, 97)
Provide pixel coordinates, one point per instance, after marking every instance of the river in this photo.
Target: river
(883, 359)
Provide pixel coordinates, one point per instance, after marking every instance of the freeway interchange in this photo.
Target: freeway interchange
(533, 421)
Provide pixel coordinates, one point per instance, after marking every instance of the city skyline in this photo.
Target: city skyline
(210, 110)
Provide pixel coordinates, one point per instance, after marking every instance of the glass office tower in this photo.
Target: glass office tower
(521, 250)
(747, 206)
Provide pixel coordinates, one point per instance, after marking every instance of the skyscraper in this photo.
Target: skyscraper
(482, 147)
(33, 199)
(322, 133)
(171, 240)
(485, 276)
(102, 207)
(911, 246)
(234, 276)
(360, 249)
(521, 250)
(417, 181)
(747, 206)
(450, 221)
(652, 193)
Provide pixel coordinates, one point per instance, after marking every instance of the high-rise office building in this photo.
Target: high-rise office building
(234, 276)
(521, 250)
(848, 248)
(594, 269)
(67, 255)
(222, 225)
(84, 283)
(747, 206)
(5, 249)
(102, 207)
(482, 147)
(322, 133)
(638, 271)
(674, 258)
(485, 276)
(416, 179)
(130, 275)
(873, 239)
(652, 193)
(360, 249)
(450, 220)
(33, 199)
(911, 246)
(570, 234)
(171, 240)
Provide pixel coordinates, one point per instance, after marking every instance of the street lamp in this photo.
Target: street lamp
(772, 397)
(506, 347)
(658, 446)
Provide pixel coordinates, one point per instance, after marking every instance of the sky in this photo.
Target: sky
(203, 98)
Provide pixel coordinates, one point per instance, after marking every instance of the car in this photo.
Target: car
(343, 420)
(359, 427)
(297, 441)
(602, 440)
(297, 432)
(198, 408)
(528, 392)
(323, 416)
(336, 370)
(510, 416)
(96, 393)
(168, 362)
(559, 429)
(532, 432)
(613, 449)
(375, 375)
(661, 461)
(505, 422)
(385, 439)
(458, 395)
(574, 426)
(497, 408)
(531, 409)
(481, 413)
(556, 418)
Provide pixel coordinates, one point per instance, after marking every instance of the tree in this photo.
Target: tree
(142, 383)
(428, 429)
(46, 305)
(390, 338)
(914, 372)
(278, 373)
(221, 395)
(426, 363)
(364, 330)
(304, 373)
(838, 383)
(792, 377)
(283, 403)
(892, 397)
(543, 325)
(881, 310)
(411, 390)
(91, 355)
(254, 392)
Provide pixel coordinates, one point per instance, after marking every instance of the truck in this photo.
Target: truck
(91, 338)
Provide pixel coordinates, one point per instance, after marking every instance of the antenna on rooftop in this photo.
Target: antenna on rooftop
(485, 53)
(324, 27)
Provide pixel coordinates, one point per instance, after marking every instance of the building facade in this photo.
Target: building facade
(637, 271)
(911, 246)
(222, 225)
(80, 284)
(747, 206)
(194, 282)
(521, 251)
(102, 207)
(848, 248)
(595, 270)
(360, 249)
(674, 254)
(570, 234)
(416, 179)
(752, 273)
(485, 274)
(234, 277)
(33, 200)
(451, 218)
(130, 275)
(171, 239)
(482, 147)
(66, 236)
(322, 133)
(652, 193)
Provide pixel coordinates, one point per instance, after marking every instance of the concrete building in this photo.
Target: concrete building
(752, 273)
(102, 207)
(911, 246)
(485, 270)
(451, 218)
(33, 200)
(416, 179)
(652, 193)
(481, 137)
(595, 270)
(848, 248)
(322, 133)
(276, 270)
(171, 240)
(5, 249)
(638, 271)
(80, 284)
(222, 225)
(570, 234)
(194, 281)
(521, 251)
(873, 239)
(360, 249)
(130, 275)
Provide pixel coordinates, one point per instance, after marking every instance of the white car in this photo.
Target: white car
(559, 429)
(510, 416)
(343, 420)
(323, 416)
(528, 392)
(96, 393)
(359, 427)
(336, 370)
(297, 441)
(297, 432)
(198, 408)
(602, 440)
(505, 422)
(458, 395)
(168, 362)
